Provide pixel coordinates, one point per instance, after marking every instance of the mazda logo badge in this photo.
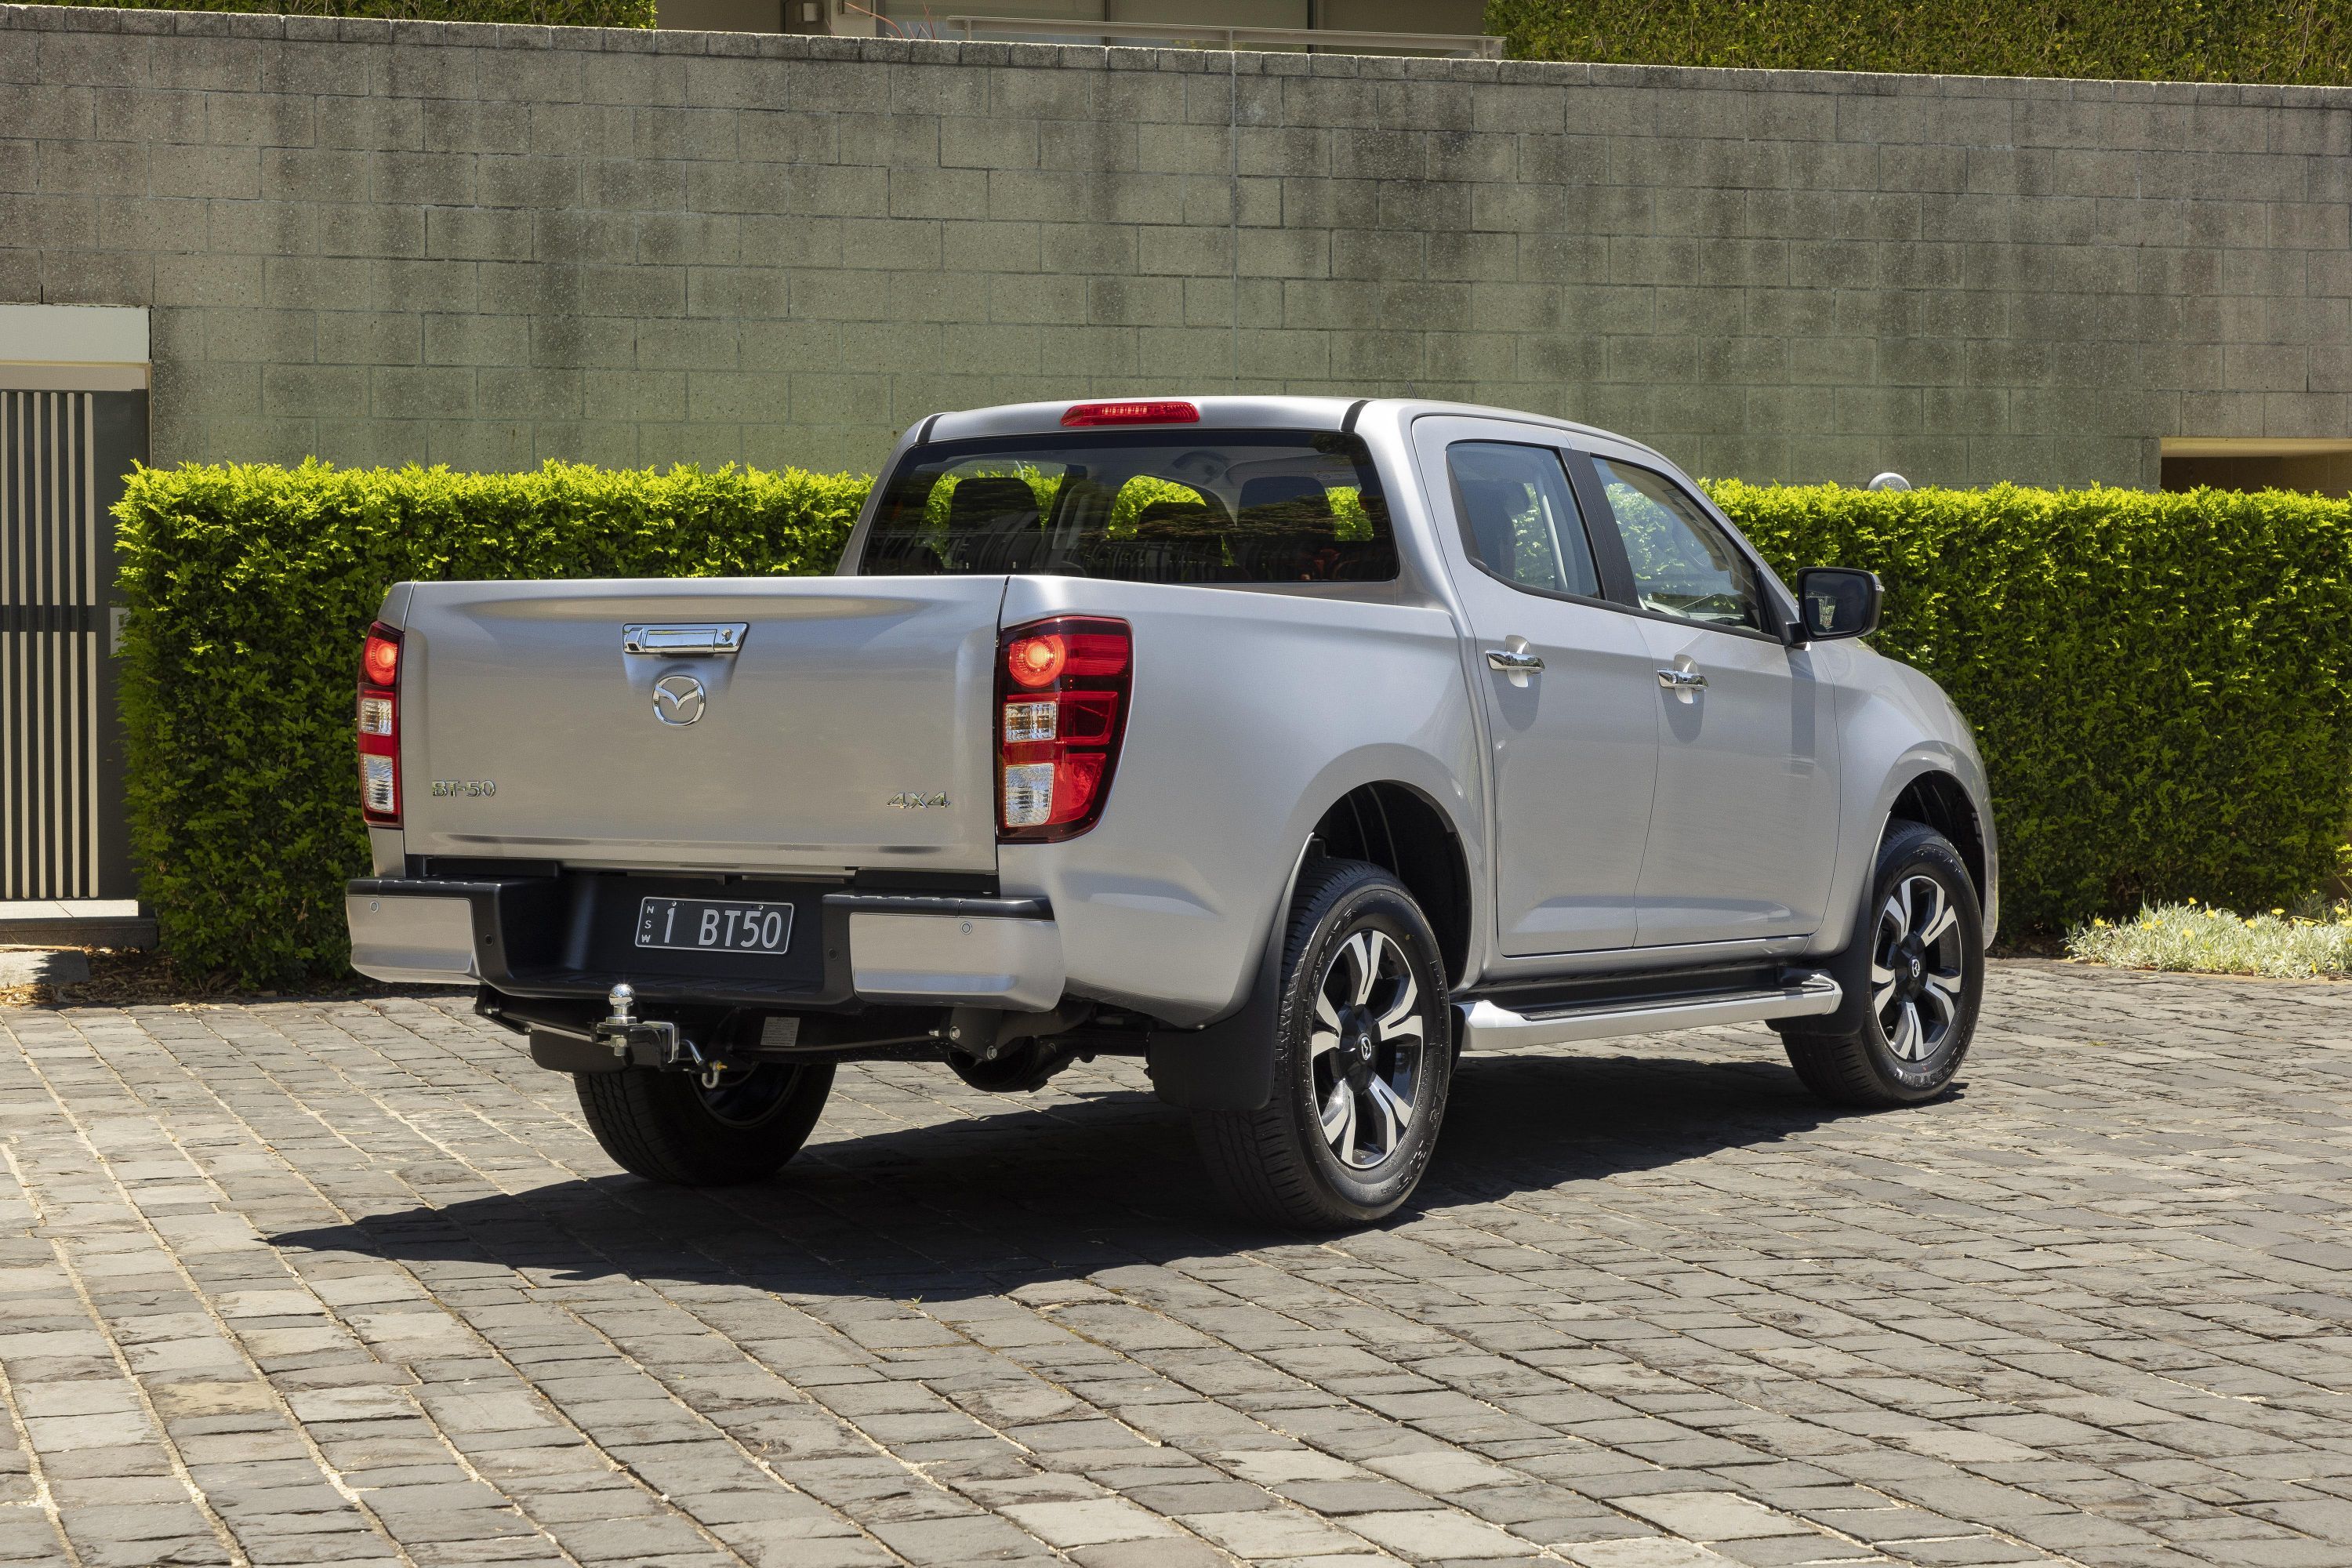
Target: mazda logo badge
(679, 700)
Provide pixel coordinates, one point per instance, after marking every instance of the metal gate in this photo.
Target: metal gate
(62, 459)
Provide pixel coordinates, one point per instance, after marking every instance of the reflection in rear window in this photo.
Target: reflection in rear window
(1246, 506)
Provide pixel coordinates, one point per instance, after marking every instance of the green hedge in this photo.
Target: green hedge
(249, 588)
(2306, 41)
(2159, 682)
(536, 13)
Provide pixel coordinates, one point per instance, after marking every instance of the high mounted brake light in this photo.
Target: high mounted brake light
(1062, 692)
(379, 726)
(1153, 413)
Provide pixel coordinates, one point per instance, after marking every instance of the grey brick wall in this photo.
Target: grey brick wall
(489, 245)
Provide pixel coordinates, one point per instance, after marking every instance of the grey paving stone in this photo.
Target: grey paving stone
(1652, 1296)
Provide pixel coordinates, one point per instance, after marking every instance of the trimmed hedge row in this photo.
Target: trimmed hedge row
(2159, 682)
(2292, 41)
(249, 587)
(534, 12)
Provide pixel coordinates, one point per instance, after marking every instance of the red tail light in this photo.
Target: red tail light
(379, 726)
(1162, 412)
(1062, 692)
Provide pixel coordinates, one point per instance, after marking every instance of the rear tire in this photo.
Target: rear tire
(1363, 1056)
(666, 1127)
(1914, 978)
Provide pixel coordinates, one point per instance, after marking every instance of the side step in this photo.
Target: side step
(1805, 993)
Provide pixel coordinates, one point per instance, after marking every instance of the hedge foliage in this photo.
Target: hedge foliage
(2302, 41)
(535, 13)
(249, 587)
(2161, 684)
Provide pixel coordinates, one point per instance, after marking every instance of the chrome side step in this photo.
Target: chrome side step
(1483, 1024)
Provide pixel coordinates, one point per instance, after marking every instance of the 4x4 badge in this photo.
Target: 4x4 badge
(909, 800)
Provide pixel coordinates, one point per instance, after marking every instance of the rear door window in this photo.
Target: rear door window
(1250, 506)
(1520, 517)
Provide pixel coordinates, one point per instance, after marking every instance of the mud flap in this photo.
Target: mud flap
(1227, 1065)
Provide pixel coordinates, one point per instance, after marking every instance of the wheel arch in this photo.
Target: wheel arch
(1400, 829)
(1937, 799)
(1227, 1064)
(1935, 781)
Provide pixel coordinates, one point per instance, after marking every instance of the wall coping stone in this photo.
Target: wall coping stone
(264, 26)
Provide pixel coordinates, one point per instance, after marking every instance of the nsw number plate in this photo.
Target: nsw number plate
(701, 925)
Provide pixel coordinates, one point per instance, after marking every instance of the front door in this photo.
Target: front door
(1566, 681)
(1744, 826)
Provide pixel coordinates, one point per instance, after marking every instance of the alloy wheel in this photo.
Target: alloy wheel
(1916, 968)
(1367, 1048)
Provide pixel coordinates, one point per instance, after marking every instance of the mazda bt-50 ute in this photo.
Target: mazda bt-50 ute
(1295, 745)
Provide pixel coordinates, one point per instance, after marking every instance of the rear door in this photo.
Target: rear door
(1744, 827)
(816, 724)
(1566, 681)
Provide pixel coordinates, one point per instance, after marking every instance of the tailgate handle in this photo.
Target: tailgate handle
(709, 641)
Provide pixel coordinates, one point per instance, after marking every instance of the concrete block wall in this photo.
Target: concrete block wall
(486, 247)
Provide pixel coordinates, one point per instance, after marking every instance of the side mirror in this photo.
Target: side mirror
(1837, 602)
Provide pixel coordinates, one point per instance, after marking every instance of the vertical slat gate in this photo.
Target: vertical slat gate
(49, 721)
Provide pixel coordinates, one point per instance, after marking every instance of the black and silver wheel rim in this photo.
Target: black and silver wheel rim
(1917, 968)
(746, 1100)
(1367, 1048)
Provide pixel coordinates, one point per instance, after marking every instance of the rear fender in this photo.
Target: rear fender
(1252, 713)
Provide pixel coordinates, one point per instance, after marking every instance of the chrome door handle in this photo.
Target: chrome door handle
(1680, 679)
(681, 640)
(1512, 662)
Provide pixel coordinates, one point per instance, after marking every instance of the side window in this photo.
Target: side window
(1520, 517)
(1684, 564)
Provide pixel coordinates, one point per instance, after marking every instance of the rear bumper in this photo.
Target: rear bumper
(542, 937)
(415, 940)
(973, 957)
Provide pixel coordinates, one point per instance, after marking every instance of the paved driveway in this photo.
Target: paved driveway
(348, 1282)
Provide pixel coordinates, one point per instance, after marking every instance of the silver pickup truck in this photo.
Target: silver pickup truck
(1296, 745)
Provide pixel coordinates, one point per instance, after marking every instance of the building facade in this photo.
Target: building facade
(385, 242)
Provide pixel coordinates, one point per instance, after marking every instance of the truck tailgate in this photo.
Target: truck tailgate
(848, 731)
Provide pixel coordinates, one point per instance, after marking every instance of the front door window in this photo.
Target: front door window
(1683, 563)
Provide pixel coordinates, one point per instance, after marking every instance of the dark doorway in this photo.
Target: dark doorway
(2320, 467)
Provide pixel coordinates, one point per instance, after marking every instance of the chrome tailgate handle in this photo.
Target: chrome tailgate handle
(710, 640)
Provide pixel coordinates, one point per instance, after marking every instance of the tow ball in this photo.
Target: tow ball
(664, 1044)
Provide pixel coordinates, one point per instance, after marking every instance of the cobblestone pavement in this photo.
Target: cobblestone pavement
(348, 1282)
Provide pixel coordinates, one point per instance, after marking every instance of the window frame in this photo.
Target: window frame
(1617, 567)
(1565, 456)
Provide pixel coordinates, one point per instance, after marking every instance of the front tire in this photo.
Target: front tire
(666, 1127)
(1363, 1057)
(1914, 979)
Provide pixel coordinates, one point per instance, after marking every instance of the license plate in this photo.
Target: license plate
(704, 925)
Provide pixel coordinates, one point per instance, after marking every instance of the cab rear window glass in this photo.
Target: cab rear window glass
(1249, 505)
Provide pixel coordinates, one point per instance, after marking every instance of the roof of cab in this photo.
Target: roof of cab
(1231, 413)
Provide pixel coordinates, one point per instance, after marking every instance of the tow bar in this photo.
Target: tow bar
(623, 1031)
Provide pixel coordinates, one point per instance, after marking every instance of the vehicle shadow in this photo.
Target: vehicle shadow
(985, 1205)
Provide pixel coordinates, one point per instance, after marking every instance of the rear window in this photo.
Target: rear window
(1203, 506)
